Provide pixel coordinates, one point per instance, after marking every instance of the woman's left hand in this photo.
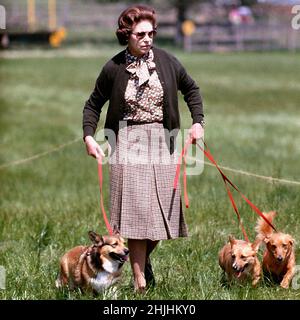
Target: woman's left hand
(196, 132)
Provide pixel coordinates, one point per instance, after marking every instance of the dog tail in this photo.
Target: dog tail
(262, 227)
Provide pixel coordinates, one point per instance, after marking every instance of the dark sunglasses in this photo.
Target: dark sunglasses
(142, 35)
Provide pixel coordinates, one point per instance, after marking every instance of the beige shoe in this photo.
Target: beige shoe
(140, 284)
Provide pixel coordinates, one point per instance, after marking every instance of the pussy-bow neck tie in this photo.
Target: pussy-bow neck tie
(141, 68)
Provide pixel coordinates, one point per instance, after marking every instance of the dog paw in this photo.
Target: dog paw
(284, 284)
(58, 283)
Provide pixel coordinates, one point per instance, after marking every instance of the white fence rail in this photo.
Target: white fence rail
(256, 37)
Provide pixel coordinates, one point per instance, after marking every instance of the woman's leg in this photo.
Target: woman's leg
(149, 276)
(138, 249)
(151, 246)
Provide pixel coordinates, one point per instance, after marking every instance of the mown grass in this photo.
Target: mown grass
(49, 204)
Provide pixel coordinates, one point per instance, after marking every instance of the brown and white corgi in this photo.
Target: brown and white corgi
(94, 267)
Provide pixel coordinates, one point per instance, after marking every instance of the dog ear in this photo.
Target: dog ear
(116, 231)
(95, 238)
(232, 240)
(291, 241)
(255, 245)
(267, 240)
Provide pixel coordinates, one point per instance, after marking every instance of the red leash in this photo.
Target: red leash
(227, 182)
(254, 208)
(182, 156)
(108, 226)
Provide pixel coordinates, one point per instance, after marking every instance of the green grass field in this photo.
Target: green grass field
(48, 204)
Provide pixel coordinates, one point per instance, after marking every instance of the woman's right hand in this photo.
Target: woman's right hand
(92, 147)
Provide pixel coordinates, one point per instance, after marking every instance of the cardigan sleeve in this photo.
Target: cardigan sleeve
(191, 94)
(97, 99)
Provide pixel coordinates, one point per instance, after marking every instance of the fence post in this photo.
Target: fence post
(52, 18)
(188, 28)
(292, 39)
(31, 15)
(187, 43)
(238, 38)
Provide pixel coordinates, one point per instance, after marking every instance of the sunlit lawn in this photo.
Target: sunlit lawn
(48, 204)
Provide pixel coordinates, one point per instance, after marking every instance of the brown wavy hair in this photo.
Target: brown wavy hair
(130, 17)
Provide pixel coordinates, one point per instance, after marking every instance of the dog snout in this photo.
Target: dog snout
(126, 251)
(279, 258)
(235, 267)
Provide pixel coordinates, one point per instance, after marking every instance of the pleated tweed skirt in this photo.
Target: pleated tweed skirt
(143, 204)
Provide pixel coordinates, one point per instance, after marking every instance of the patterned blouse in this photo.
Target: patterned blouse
(144, 93)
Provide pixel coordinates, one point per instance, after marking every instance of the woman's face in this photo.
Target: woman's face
(141, 38)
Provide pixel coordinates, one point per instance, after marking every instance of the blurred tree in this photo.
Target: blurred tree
(105, 1)
(115, 1)
(182, 7)
(248, 3)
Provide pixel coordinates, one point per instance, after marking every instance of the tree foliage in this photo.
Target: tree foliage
(248, 3)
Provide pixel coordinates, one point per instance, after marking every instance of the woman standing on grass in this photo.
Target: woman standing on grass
(141, 85)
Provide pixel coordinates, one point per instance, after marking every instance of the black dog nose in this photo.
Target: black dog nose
(279, 258)
(126, 251)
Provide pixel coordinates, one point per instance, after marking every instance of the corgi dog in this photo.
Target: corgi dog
(238, 259)
(279, 256)
(94, 267)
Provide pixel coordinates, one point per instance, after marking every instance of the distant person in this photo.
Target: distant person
(141, 85)
(234, 16)
(246, 15)
(240, 15)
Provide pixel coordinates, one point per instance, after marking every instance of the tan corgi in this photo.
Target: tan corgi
(279, 255)
(238, 259)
